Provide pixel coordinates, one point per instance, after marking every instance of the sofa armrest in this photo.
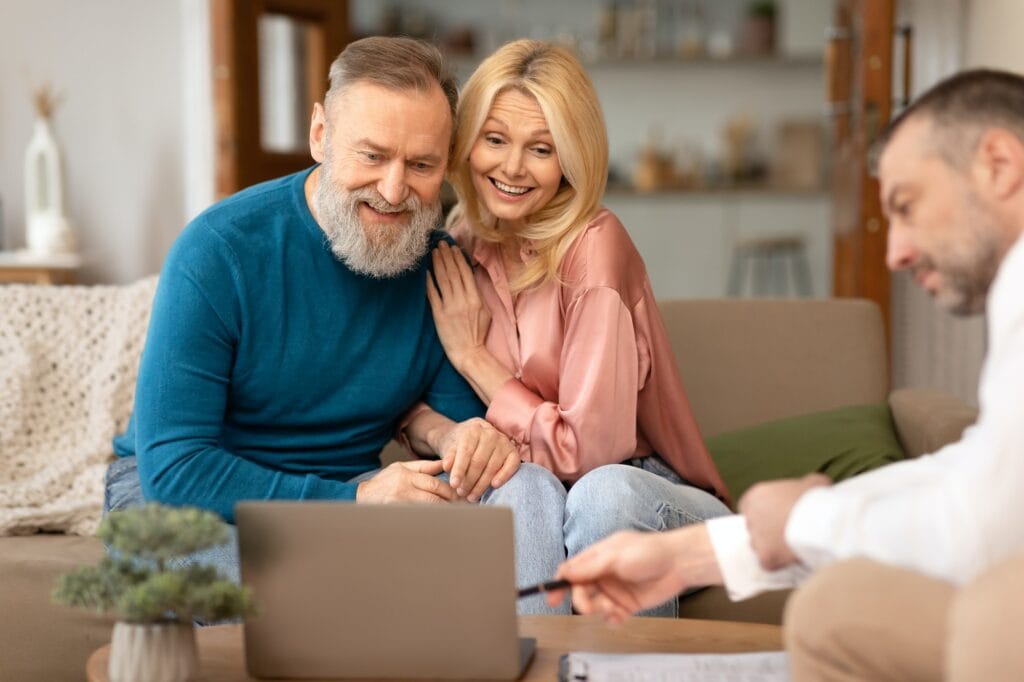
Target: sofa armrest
(927, 419)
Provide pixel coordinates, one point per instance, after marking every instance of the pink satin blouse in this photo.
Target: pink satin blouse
(595, 381)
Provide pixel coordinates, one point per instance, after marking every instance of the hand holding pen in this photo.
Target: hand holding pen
(631, 571)
(544, 587)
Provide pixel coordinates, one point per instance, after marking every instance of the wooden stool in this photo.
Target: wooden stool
(770, 266)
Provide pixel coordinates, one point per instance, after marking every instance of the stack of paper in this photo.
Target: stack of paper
(770, 666)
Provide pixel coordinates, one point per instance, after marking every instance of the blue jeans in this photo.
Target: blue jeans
(644, 494)
(536, 497)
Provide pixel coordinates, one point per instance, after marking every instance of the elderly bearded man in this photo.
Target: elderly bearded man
(291, 339)
(922, 561)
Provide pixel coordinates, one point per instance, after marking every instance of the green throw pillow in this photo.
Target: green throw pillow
(839, 443)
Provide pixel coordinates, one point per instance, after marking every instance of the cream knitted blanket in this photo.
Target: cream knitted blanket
(68, 361)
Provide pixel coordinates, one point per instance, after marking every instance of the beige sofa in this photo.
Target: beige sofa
(743, 361)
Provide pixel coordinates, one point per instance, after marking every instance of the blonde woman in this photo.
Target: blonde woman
(554, 323)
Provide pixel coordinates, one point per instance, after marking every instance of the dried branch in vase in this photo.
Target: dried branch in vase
(45, 99)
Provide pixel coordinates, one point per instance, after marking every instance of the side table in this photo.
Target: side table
(222, 658)
(24, 267)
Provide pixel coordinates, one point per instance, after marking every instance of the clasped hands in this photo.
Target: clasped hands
(475, 454)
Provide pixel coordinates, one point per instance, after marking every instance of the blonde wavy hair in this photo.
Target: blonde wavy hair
(554, 77)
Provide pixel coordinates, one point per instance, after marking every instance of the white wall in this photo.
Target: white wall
(119, 67)
(136, 119)
(993, 34)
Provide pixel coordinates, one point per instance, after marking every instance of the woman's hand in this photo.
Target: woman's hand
(461, 318)
(477, 456)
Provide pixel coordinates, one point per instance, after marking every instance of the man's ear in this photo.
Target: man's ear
(999, 163)
(317, 128)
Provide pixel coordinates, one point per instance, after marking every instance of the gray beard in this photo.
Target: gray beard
(969, 272)
(375, 250)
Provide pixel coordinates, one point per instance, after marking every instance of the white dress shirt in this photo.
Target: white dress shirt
(949, 515)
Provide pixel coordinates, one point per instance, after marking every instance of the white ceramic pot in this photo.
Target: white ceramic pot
(157, 652)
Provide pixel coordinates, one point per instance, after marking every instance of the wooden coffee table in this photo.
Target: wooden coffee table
(221, 656)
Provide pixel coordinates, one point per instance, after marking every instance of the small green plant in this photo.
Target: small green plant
(762, 9)
(138, 585)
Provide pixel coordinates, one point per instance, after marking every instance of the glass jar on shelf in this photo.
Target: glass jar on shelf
(691, 32)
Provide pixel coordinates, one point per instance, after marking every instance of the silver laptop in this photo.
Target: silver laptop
(389, 591)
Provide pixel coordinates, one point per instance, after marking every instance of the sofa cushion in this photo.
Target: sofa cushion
(749, 361)
(838, 443)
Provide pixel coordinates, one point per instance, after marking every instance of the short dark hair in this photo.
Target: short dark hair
(961, 108)
(397, 63)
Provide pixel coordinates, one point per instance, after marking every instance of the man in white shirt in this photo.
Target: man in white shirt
(925, 557)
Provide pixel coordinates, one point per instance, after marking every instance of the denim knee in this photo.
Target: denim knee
(223, 557)
(531, 485)
(537, 499)
(606, 500)
(644, 496)
(622, 497)
(122, 488)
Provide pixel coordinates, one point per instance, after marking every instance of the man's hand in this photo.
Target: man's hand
(461, 318)
(766, 507)
(632, 571)
(406, 482)
(476, 455)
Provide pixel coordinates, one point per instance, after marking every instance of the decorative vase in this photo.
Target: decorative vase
(47, 230)
(157, 652)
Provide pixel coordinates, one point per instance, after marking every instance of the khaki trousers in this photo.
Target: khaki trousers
(863, 621)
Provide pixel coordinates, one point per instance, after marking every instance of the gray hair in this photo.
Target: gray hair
(960, 109)
(395, 63)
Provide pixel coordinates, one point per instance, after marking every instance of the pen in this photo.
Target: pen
(543, 587)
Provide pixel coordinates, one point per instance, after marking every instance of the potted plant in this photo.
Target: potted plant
(758, 34)
(155, 603)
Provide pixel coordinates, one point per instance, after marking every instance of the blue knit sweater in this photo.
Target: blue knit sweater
(271, 370)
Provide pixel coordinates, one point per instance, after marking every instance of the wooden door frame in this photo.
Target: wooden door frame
(859, 253)
(239, 158)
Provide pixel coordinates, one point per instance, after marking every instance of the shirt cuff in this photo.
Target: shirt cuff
(511, 410)
(812, 525)
(741, 572)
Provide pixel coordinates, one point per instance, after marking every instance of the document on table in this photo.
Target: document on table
(767, 666)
